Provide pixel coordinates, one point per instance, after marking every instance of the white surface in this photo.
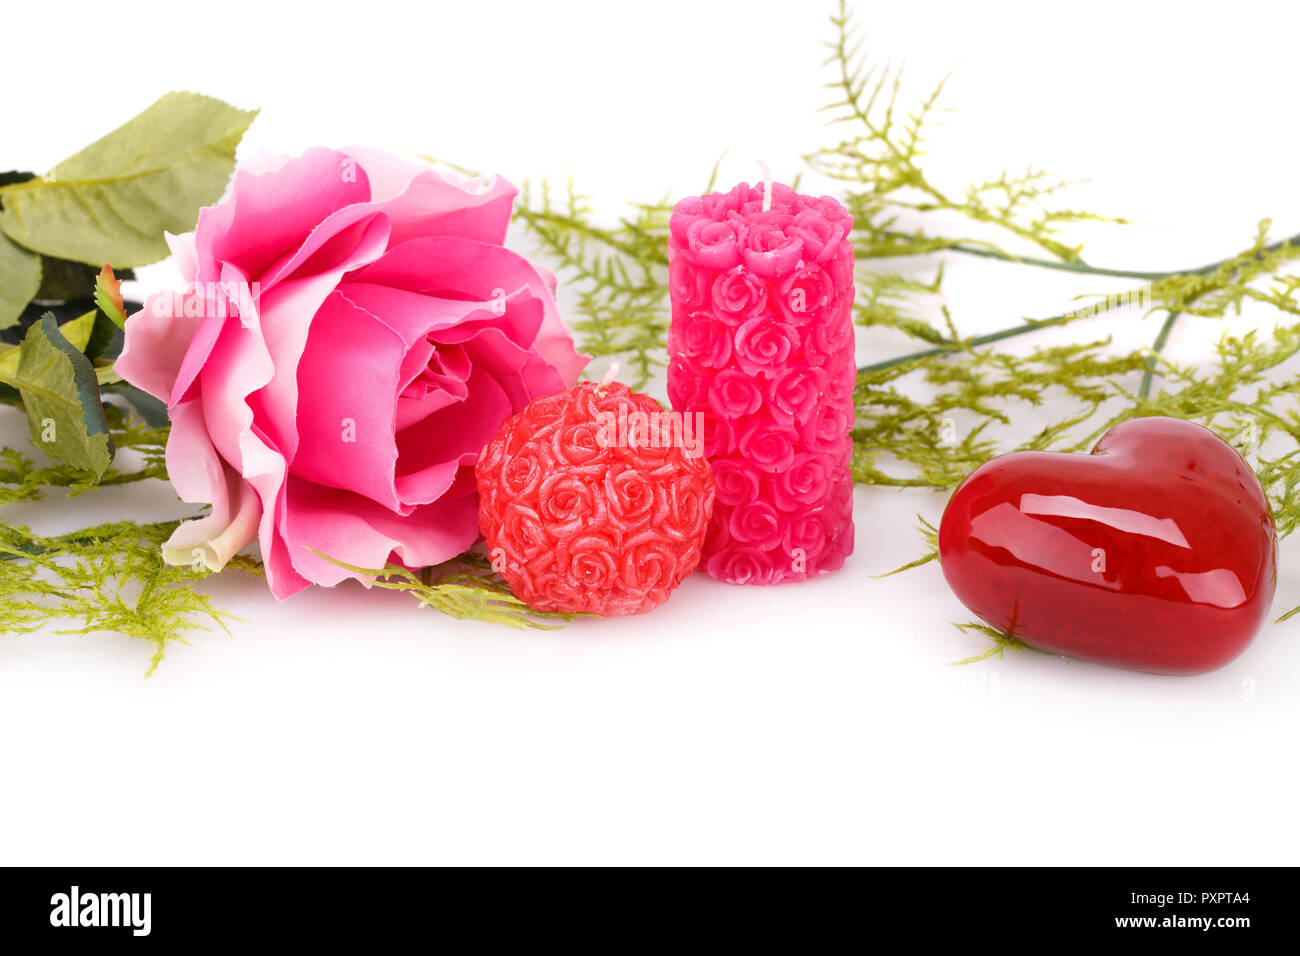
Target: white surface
(813, 723)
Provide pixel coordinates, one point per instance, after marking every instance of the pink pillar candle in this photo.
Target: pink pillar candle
(761, 343)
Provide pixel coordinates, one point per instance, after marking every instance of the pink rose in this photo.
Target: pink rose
(846, 379)
(713, 244)
(524, 471)
(688, 386)
(832, 338)
(840, 268)
(832, 210)
(701, 337)
(735, 200)
(757, 524)
(684, 213)
(374, 334)
(734, 394)
(821, 237)
(806, 292)
(737, 482)
(806, 533)
(763, 344)
(794, 395)
(578, 444)
(769, 251)
(688, 283)
(738, 295)
(804, 483)
(684, 507)
(827, 430)
(770, 447)
(743, 566)
(842, 496)
(526, 531)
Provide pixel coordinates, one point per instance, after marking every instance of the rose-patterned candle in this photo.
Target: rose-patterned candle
(594, 500)
(761, 343)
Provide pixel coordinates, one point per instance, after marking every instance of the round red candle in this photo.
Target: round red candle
(594, 500)
(761, 343)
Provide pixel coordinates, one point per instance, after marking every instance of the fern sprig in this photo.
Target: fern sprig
(619, 274)
(109, 577)
(465, 588)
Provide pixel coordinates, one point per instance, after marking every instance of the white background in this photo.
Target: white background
(817, 723)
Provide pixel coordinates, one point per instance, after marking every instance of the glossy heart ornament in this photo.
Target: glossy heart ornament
(1155, 552)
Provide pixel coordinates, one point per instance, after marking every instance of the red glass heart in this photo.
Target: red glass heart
(1155, 552)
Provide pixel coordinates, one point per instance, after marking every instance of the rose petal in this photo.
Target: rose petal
(200, 476)
(268, 215)
(287, 311)
(152, 355)
(452, 436)
(347, 388)
(216, 538)
(411, 315)
(356, 531)
(423, 201)
(438, 264)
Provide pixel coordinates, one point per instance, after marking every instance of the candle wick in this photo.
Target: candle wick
(767, 185)
(610, 375)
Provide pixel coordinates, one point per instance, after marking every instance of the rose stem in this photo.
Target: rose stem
(1076, 266)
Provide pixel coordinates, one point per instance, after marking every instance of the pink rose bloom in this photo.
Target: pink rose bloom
(805, 482)
(737, 482)
(764, 344)
(757, 524)
(685, 386)
(703, 338)
(826, 431)
(352, 333)
(735, 394)
(713, 244)
(793, 395)
(744, 564)
(768, 251)
(689, 284)
(806, 292)
(806, 533)
(770, 447)
(739, 295)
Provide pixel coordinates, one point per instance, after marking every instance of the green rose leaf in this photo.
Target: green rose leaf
(58, 387)
(77, 331)
(112, 201)
(20, 277)
(148, 408)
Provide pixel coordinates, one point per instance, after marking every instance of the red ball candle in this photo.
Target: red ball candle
(595, 500)
(761, 343)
